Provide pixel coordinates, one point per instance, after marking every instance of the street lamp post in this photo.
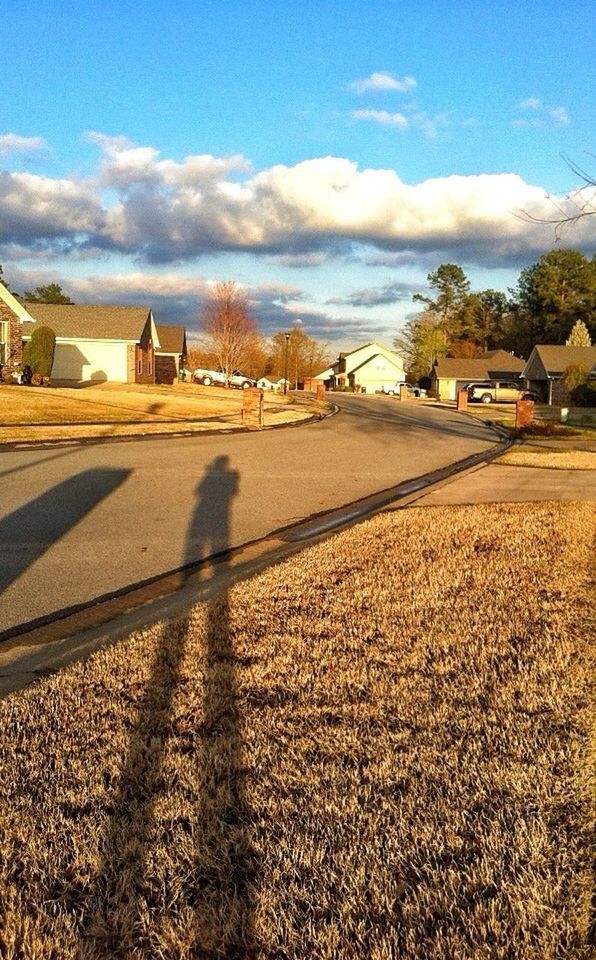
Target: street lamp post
(286, 364)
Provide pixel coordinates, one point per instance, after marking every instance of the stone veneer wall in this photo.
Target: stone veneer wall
(15, 341)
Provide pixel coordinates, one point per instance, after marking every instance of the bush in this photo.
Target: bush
(584, 395)
(39, 352)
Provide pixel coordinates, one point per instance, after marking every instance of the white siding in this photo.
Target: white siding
(90, 360)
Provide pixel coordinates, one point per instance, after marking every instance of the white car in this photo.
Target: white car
(207, 377)
(393, 389)
(218, 378)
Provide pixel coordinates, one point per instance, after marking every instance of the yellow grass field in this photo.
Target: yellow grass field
(526, 456)
(377, 749)
(57, 413)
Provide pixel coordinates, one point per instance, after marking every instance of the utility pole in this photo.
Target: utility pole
(286, 364)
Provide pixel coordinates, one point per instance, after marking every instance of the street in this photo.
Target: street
(78, 522)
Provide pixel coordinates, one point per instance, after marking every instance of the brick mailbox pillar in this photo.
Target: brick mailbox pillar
(462, 400)
(403, 392)
(524, 413)
(320, 391)
(253, 408)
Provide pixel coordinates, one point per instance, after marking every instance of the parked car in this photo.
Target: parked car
(498, 391)
(393, 389)
(208, 377)
(218, 378)
(241, 381)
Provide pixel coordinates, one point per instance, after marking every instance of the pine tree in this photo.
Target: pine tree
(579, 336)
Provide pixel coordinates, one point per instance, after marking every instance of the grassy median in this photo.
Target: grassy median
(377, 749)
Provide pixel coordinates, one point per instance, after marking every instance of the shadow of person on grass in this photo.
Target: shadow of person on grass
(204, 886)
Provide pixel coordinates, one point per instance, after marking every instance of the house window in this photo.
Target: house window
(3, 341)
(149, 366)
(140, 365)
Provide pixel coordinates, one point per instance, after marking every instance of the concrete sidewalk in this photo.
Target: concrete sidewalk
(502, 483)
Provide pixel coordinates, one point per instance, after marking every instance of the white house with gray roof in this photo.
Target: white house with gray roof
(368, 368)
(94, 342)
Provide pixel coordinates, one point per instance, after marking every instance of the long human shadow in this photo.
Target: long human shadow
(28, 532)
(216, 885)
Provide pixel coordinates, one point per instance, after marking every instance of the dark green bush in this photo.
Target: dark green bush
(39, 351)
(584, 395)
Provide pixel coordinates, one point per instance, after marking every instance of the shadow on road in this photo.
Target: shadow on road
(412, 420)
(27, 533)
(213, 893)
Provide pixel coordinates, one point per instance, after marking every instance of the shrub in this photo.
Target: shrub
(584, 395)
(39, 351)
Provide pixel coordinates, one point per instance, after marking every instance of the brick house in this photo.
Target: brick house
(545, 369)
(12, 315)
(94, 343)
(170, 355)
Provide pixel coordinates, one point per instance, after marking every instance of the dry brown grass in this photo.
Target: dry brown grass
(550, 459)
(112, 410)
(375, 750)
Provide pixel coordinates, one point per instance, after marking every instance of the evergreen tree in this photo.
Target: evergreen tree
(579, 336)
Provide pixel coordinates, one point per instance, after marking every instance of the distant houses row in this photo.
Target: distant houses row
(96, 343)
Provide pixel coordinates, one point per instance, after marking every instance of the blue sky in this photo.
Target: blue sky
(324, 155)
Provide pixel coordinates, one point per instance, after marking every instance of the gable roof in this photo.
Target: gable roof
(556, 358)
(11, 301)
(89, 321)
(341, 366)
(493, 364)
(172, 338)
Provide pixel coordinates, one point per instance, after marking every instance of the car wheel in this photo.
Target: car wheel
(207, 381)
(486, 398)
(246, 385)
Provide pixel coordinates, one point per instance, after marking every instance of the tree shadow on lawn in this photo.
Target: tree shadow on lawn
(206, 894)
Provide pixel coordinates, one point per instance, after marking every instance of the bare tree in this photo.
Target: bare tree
(230, 331)
(574, 206)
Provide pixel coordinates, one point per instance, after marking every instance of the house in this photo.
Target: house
(94, 342)
(12, 315)
(545, 369)
(264, 383)
(451, 374)
(368, 368)
(170, 355)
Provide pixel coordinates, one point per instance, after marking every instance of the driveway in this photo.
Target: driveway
(82, 521)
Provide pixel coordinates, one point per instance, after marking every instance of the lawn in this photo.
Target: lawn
(377, 749)
(126, 409)
(534, 456)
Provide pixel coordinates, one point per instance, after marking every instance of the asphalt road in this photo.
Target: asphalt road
(78, 522)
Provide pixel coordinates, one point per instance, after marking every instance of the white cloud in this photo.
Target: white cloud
(13, 143)
(168, 211)
(544, 116)
(530, 103)
(33, 207)
(381, 80)
(431, 126)
(560, 116)
(382, 116)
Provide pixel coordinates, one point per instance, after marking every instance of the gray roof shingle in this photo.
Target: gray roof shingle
(556, 359)
(172, 339)
(88, 321)
(493, 364)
